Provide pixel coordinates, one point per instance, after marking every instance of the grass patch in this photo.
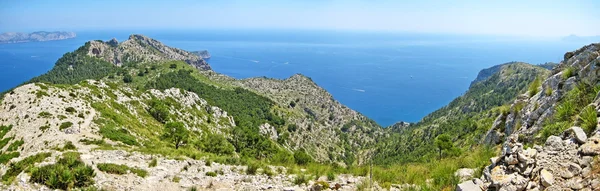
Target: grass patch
(15, 145)
(533, 87)
(4, 129)
(212, 174)
(589, 119)
(69, 146)
(121, 169)
(69, 172)
(121, 135)
(5, 157)
(45, 114)
(568, 72)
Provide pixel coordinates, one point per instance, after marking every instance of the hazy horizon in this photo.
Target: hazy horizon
(507, 18)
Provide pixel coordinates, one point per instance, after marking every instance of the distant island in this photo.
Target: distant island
(17, 37)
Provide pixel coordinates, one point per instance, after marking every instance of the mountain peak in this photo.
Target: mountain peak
(139, 49)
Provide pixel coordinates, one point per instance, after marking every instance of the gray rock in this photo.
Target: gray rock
(591, 147)
(547, 178)
(464, 174)
(579, 134)
(554, 143)
(468, 186)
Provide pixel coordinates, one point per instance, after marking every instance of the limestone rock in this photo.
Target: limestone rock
(464, 174)
(468, 186)
(591, 147)
(547, 178)
(579, 134)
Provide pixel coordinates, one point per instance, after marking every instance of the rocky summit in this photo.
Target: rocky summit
(139, 115)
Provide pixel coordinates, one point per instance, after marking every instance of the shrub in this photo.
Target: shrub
(213, 174)
(120, 169)
(176, 179)
(153, 163)
(69, 146)
(301, 158)
(65, 125)
(252, 168)
(215, 143)
(173, 66)
(330, 176)
(301, 179)
(45, 114)
(70, 110)
(159, 111)
(127, 78)
(69, 172)
(44, 128)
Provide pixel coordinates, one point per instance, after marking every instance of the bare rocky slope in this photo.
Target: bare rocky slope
(551, 139)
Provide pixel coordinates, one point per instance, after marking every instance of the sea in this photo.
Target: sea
(386, 76)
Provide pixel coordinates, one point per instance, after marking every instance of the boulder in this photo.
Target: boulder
(554, 143)
(591, 146)
(468, 186)
(578, 134)
(464, 174)
(547, 178)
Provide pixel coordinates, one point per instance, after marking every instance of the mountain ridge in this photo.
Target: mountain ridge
(39, 36)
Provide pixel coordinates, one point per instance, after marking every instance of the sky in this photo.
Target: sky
(510, 17)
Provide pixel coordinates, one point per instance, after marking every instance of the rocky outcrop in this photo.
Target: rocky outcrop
(560, 164)
(15, 37)
(203, 53)
(140, 49)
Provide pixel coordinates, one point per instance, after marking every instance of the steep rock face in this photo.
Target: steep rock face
(565, 159)
(139, 48)
(321, 120)
(12, 37)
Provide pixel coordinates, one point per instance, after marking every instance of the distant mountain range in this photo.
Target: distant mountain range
(17, 37)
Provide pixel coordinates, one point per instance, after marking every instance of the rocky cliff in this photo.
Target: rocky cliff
(15, 37)
(550, 135)
(139, 49)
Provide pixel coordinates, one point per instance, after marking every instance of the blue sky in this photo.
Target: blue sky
(515, 18)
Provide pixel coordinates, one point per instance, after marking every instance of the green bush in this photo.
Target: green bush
(69, 146)
(4, 130)
(330, 176)
(120, 169)
(301, 179)
(65, 125)
(213, 174)
(153, 163)
(215, 143)
(70, 110)
(252, 168)
(69, 172)
(127, 78)
(301, 158)
(44, 128)
(159, 110)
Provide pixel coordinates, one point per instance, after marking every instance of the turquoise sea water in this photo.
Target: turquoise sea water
(388, 77)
